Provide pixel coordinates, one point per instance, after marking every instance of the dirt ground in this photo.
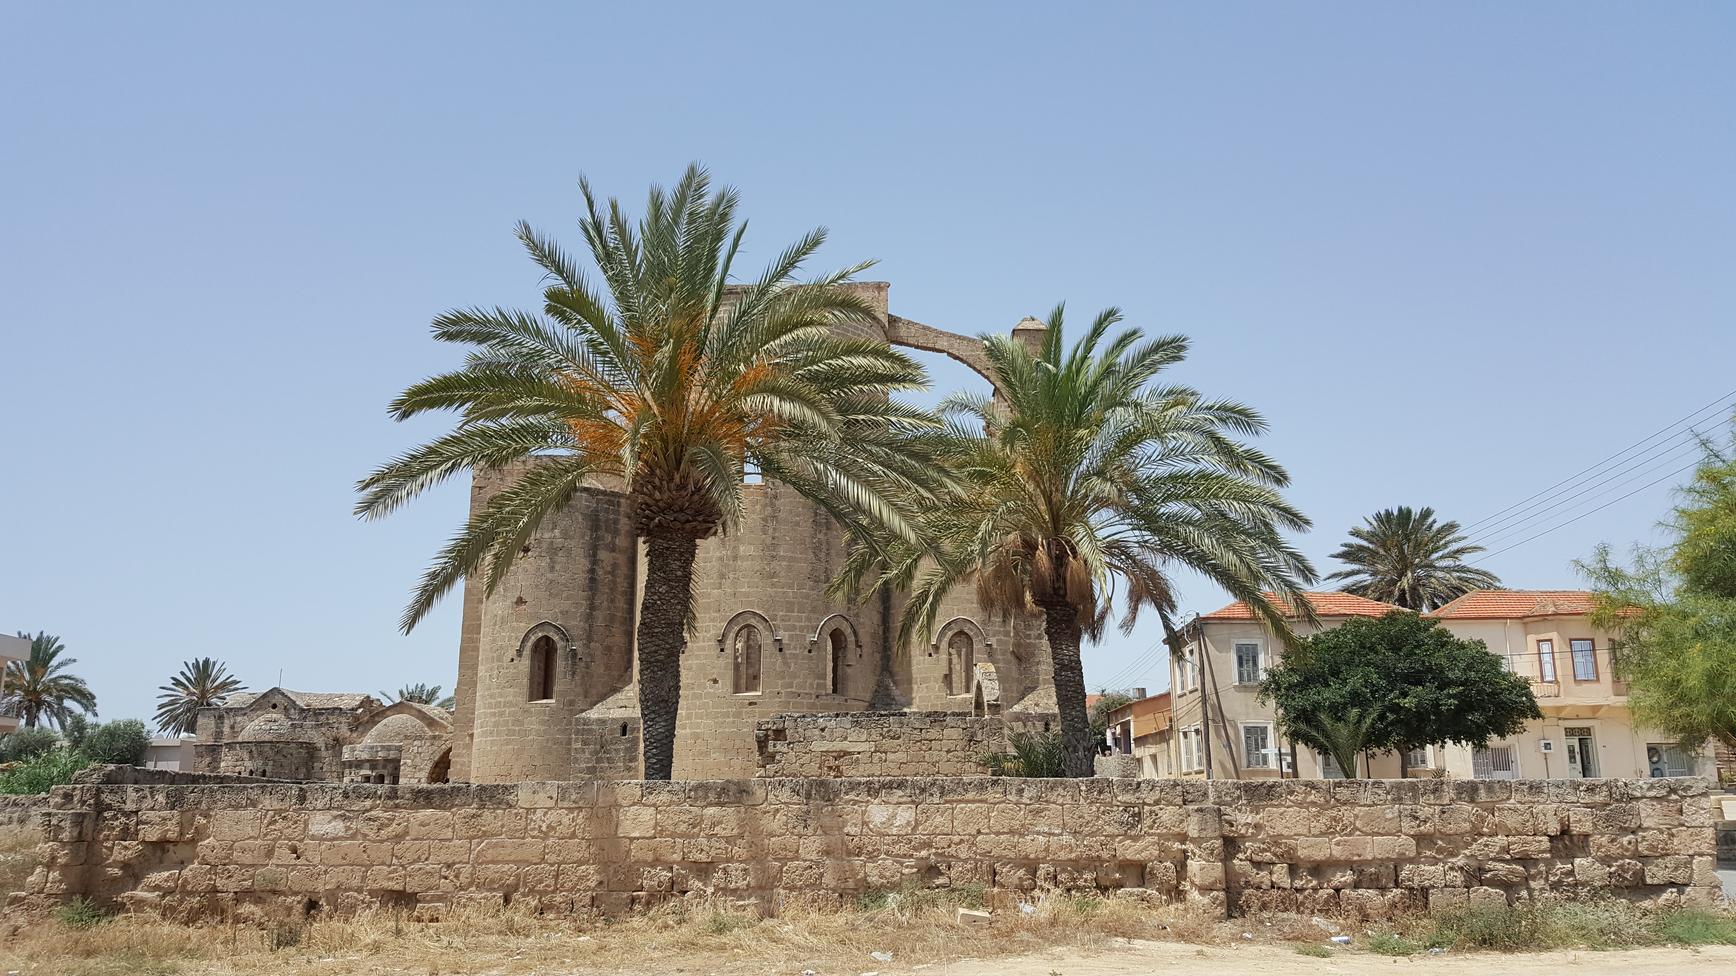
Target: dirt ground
(1144, 958)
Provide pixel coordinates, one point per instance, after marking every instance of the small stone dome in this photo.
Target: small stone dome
(271, 727)
(394, 730)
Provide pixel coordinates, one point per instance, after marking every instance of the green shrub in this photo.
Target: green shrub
(1390, 944)
(124, 743)
(27, 744)
(1036, 754)
(75, 727)
(1593, 924)
(81, 913)
(44, 772)
(1312, 949)
(1696, 926)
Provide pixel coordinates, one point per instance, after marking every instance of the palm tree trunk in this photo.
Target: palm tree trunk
(662, 634)
(1061, 625)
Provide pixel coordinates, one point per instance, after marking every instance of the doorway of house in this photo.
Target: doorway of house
(1581, 752)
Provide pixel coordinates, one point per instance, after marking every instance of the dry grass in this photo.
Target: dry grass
(706, 937)
(17, 856)
(919, 927)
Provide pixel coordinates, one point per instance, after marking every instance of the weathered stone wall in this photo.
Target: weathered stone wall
(1361, 847)
(22, 810)
(877, 744)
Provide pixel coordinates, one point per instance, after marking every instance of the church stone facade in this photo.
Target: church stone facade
(546, 682)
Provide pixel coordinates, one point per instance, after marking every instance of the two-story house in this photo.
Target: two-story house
(1546, 636)
(1587, 730)
(1217, 719)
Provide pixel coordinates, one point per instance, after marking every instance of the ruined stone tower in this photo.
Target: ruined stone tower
(546, 668)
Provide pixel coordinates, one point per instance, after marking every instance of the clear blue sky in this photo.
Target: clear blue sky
(1454, 253)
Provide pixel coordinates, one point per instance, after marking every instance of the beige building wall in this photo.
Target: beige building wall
(1585, 711)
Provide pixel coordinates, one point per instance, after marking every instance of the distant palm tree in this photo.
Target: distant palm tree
(39, 689)
(421, 694)
(1406, 558)
(670, 380)
(1081, 475)
(202, 683)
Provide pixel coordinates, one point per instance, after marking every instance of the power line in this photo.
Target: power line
(1672, 474)
(1578, 498)
(1666, 450)
(1693, 417)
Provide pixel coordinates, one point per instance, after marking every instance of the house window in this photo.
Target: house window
(542, 669)
(839, 645)
(1248, 671)
(1668, 759)
(1186, 672)
(1584, 654)
(747, 659)
(1257, 745)
(1494, 762)
(1546, 660)
(1192, 759)
(1419, 758)
(960, 654)
(1329, 768)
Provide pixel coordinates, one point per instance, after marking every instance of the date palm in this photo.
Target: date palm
(422, 694)
(202, 683)
(40, 689)
(1407, 558)
(1083, 474)
(672, 382)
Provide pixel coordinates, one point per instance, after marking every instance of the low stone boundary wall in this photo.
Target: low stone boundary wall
(22, 810)
(862, 744)
(1364, 848)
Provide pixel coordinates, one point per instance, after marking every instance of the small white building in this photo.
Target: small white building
(170, 752)
(11, 649)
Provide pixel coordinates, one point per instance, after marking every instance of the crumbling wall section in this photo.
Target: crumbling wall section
(877, 744)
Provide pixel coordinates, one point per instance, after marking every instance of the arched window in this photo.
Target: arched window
(960, 660)
(840, 647)
(747, 659)
(542, 669)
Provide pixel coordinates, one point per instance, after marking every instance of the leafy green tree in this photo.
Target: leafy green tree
(202, 683)
(1408, 559)
(75, 728)
(41, 688)
(1083, 474)
(1107, 701)
(422, 694)
(25, 744)
(673, 383)
(1673, 611)
(123, 743)
(1396, 682)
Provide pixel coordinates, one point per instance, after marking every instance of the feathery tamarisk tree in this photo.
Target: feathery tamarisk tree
(1082, 473)
(671, 380)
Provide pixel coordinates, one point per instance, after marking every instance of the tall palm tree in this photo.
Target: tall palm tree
(421, 694)
(202, 683)
(672, 381)
(1081, 474)
(1407, 558)
(40, 689)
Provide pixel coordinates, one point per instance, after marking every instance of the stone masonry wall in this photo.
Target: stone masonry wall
(1363, 848)
(877, 744)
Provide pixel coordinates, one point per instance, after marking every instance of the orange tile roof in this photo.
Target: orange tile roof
(1514, 604)
(1333, 604)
